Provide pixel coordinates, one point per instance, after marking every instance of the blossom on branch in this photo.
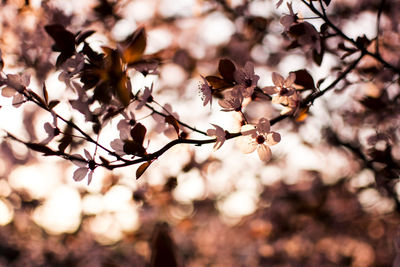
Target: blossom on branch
(85, 166)
(219, 133)
(284, 92)
(232, 100)
(52, 130)
(146, 97)
(258, 137)
(16, 84)
(246, 79)
(206, 92)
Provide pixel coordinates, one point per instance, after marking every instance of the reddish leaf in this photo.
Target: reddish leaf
(138, 133)
(64, 40)
(82, 36)
(133, 148)
(171, 120)
(302, 115)
(142, 168)
(318, 57)
(122, 91)
(226, 68)
(218, 83)
(303, 78)
(53, 103)
(136, 46)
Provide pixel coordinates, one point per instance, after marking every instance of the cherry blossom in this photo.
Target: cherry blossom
(70, 68)
(232, 101)
(127, 122)
(285, 93)
(85, 166)
(258, 137)
(246, 79)
(162, 125)
(52, 130)
(146, 97)
(288, 20)
(124, 126)
(16, 84)
(219, 133)
(205, 90)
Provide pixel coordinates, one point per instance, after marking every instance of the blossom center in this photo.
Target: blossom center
(92, 165)
(284, 91)
(248, 82)
(260, 139)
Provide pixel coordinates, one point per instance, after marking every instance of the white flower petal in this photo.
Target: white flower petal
(90, 176)
(80, 173)
(290, 80)
(246, 144)
(79, 163)
(8, 91)
(277, 79)
(87, 154)
(273, 138)
(270, 90)
(264, 152)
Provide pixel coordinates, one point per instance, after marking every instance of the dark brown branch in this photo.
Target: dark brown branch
(344, 36)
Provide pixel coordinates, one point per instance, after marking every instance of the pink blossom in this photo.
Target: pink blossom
(286, 94)
(162, 126)
(146, 97)
(51, 130)
(258, 137)
(232, 101)
(85, 166)
(288, 20)
(219, 133)
(246, 79)
(206, 92)
(16, 84)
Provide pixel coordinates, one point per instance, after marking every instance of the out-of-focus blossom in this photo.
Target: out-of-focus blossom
(206, 92)
(81, 104)
(162, 124)
(258, 137)
(127, 122)
(124, 126)
(246, 79)
(219, 133)
(70, 68)
(85, 167)
(147, 68)
(146, 97)
(232, 101)
(16, 84)
(288, 20)
(52, 130)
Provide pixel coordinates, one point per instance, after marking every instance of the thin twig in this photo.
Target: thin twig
(344, 36)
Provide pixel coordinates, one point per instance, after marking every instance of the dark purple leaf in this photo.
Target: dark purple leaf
(226, 68)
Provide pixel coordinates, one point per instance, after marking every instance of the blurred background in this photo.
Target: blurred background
(328, 197)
